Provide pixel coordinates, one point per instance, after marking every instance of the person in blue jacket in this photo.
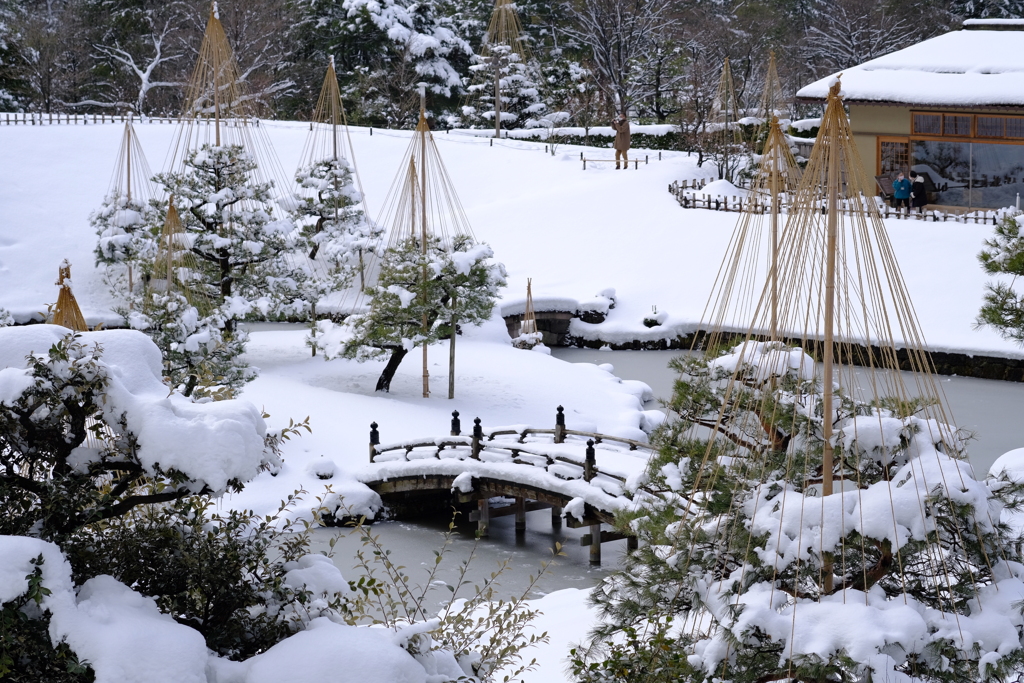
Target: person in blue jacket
(901, 192)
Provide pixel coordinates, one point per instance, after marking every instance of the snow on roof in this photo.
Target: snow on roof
(969, 68)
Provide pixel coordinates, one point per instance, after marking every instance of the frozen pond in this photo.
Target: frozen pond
(413, 545)
(993, 410)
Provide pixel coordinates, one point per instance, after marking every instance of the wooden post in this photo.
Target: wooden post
(520, 516)
(632, 543)
(590, 464)
(451, 354)
(456, 425)
(559, 425)
(478, 435)
(483, 520)
(556, 518)
(374, 440)
(595, 543)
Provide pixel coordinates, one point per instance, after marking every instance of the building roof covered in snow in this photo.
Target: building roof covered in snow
(981, 65)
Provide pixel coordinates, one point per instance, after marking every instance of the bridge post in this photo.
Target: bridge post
(374, 440)
(560, 425)
(632, 543)
(456, 425)
(478, 435)
(520, 515)
(556, 518)
(590, 464)
(595, 543)
(483, 519)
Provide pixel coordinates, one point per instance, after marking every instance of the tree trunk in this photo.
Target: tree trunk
(384, 381)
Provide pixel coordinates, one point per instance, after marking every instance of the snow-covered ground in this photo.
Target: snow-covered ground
(575, 232)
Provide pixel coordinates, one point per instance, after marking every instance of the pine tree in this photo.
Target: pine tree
(461, 287)
(340, 234)
(733, 581)
(126, 227)
(246, 254)
(1004, 304)
(199, 359)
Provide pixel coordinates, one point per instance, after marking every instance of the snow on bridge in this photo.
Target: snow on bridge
(583, 477)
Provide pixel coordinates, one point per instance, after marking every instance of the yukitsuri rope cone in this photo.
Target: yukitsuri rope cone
(825, 523)
(502, 48)
(66, 311)
(529, 317)
(529, 336)
(723, 130)
(328, 156)
(219, 110)
(773, 101)
(175, 268)
(421, 208)
(753, 250)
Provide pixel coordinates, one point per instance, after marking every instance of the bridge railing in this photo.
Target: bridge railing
(480, 443)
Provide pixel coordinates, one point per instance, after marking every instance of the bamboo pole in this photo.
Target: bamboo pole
(423, 129)
(833, 187)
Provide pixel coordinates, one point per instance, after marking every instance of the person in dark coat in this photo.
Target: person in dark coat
(621, 128)
(918, 195)
(901, 192)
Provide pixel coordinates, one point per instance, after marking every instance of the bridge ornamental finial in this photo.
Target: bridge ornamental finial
(374, 434)
(590, 464)
(456, 424)
(560, 416)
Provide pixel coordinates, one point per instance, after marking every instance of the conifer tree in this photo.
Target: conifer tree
(1004, 304)
(734, 581)
(340, 234)
(401, 300)
(245, 252)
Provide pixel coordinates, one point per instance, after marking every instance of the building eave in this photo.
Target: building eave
(915, 105)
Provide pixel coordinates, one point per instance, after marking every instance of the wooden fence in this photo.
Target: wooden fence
(681, 190)
(44, 119)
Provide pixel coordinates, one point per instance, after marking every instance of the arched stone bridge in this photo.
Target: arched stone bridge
(583, 477)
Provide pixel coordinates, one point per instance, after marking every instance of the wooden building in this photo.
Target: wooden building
(950, 108)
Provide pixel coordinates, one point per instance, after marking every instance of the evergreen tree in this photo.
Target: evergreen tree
(127, 239)
(199, 358)
(522, 104)
(747, 573)
(402, 301)
(341, 236)
(388, 48)
(246, 255)
(1004, 304)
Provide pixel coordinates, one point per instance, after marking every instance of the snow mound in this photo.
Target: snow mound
(224, 438)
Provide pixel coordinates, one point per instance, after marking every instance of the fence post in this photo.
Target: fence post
(478, 434)
(456, 425)
(374, 440)
(559, 425)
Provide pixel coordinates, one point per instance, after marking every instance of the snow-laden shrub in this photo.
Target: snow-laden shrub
(747, 572)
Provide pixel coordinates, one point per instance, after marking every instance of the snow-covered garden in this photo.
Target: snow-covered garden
(582, 236)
